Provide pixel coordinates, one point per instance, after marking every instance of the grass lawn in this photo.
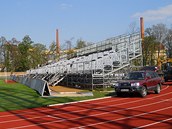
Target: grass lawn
(15, 96)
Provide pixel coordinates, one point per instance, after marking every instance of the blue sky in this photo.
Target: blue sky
(90, 20)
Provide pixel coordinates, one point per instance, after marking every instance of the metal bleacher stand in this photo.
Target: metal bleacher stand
(97, 65)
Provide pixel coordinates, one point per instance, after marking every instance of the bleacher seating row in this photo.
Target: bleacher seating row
(92, 62)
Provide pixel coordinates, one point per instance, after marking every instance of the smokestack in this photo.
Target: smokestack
(142, 27)
(57, 42)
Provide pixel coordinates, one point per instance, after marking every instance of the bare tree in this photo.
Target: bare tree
(14, 41)
(159, 31)
(69, 43)
(168, 43)
(52, 53)
(80, 43)
(133, 27)
(148, 32)
(2, 52)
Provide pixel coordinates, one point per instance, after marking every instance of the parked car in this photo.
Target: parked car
(140, 82)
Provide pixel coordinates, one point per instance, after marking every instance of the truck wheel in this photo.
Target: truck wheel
(143, 92)
(157, 89)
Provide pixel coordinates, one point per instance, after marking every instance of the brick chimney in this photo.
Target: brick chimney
(142, 27)
(57, 42)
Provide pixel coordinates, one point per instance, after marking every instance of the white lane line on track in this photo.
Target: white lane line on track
(104, 107)
(21, 119)
(20, 114)
(90, 115)
(78, 101)
(81, 127)
(154, 123)
(55, 117)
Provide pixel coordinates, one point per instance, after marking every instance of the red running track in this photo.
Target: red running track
(154, 111)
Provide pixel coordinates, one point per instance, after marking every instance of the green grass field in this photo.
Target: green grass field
(14, 96)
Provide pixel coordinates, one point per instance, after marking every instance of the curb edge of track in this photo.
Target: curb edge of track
(51, 105)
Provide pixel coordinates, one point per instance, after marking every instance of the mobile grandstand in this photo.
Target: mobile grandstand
(97, 65)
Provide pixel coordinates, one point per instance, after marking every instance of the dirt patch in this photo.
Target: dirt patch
(64, 89)
(9, 81)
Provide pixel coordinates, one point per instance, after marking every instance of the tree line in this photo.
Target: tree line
(21, 56)
(16, 56)
(158, 39)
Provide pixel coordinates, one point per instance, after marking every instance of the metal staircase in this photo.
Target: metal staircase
(56, 79)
